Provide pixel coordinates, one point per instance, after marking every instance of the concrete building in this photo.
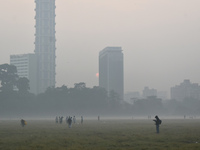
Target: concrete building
(45, 43)
(111, 73)
(149, 92)
(162, 94)
(185, 90)
(26, 67)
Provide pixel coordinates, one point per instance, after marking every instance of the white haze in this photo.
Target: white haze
(160, 39)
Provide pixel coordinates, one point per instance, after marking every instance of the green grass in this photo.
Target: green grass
(101, 135)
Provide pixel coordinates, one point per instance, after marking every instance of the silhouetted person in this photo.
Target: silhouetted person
(74, 119)
(56, 119)
(61, 119)
(69, 121)
(98, 118)
(23, 122)
(157, 123)
(81, 119)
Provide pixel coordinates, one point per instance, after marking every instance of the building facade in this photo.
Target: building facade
(45, 43)
(26, 67)
(147, 92)
(185, 90)
(111, 71)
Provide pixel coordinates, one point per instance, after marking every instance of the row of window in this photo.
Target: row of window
(20, 64)
(17, 60)
(45, 5)
(22, 72)
(19, 68)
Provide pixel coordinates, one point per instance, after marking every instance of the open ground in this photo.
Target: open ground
(106, 134)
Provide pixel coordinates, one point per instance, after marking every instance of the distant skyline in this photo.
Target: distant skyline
(159, 39)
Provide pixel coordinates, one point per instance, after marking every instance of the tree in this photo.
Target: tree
(114, 97)
(23, 85)
(114, 101)
(148, 106)
(8, 77)
(80, 85)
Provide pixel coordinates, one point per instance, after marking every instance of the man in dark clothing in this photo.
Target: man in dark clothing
(157, 123)
(69, 121)
(23, 123)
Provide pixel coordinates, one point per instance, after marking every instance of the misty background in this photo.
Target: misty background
(160, 39)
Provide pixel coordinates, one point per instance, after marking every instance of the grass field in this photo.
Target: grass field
(100, 135)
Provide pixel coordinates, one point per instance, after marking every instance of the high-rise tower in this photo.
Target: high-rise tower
(111, 73)
(45, 43)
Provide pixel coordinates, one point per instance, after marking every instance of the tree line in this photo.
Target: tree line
(79, 100)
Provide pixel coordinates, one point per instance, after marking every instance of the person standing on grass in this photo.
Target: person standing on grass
(23, 122)
(74, 119)
(56, 119)
(61, 119)
(67, 119)
(81, 119)
(157, 123)
(69, 122)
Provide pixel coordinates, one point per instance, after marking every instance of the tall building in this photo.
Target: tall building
(185, 90)
(111, 73)
(45, 43)
(26, 67)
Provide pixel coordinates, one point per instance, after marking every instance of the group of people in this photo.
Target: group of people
(69, 120)
(59, 119)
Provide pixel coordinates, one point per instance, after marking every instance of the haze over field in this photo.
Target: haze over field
(160, 39)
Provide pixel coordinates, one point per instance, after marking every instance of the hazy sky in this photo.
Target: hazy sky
(160, 39)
